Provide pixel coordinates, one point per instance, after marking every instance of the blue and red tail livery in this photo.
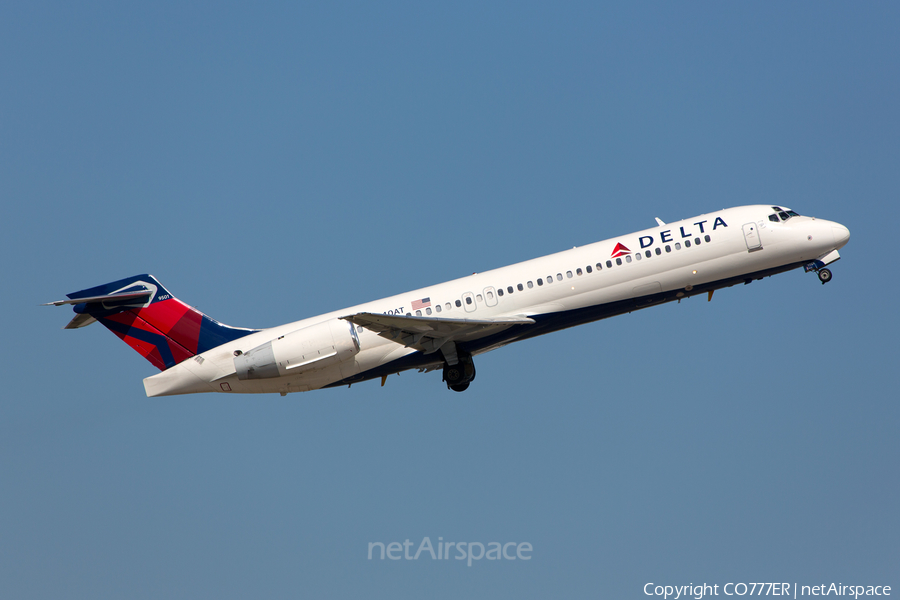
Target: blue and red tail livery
(163, 329)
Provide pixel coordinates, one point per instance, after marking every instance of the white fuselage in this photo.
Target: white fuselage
(579, 282)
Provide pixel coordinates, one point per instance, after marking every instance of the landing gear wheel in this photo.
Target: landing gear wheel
(459, 376)
(824, 276)
(455, 375)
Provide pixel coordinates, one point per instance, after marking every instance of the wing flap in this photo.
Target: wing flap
(428, 334)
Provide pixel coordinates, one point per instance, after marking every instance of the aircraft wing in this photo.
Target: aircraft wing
(428, 334)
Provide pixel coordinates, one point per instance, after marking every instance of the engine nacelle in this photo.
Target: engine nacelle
(308, 349)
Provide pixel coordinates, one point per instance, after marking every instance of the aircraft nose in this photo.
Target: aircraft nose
(841, 234)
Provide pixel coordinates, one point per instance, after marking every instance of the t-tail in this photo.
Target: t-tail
(139, 310)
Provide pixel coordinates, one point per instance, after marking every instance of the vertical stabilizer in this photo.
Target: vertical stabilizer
(139, 310)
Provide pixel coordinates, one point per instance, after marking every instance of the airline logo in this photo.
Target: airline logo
(666, 236)
(135, 286)
(620, 250)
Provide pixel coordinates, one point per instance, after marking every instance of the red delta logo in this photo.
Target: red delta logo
(620, 250)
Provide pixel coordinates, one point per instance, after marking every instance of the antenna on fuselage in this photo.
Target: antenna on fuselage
(659, 221)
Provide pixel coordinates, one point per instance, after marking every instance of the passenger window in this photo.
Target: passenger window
(588, 269)
(530, 285)
(628, 258)
(658, 251)
(639, 256)
(458, 304)
(696, 241)
(648, 254)
(509, 289)
(668, 248)
(468, 299)
(609, 264)
(479, 298)
(437, 307)
(540, 281)
(619, 261)
(569, 274)
(427, 311)
(687, 243)
(490, 295)
(519, 287)
(599, 266)
(559, 276)
(448, 306)
(549, 278)
(500, 291)
(578, 271)
(707, 238)
(678, 245)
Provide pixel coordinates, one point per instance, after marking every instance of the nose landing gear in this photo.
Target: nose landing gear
(819, 267)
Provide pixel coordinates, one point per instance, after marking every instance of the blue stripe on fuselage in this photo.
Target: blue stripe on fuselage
(548, 323)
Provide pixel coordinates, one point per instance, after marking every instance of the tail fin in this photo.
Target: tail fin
(139, 310)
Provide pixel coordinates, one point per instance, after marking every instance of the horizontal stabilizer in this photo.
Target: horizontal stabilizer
(80, 321)
(106, 298)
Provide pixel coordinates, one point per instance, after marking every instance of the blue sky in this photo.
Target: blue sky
(271, 162)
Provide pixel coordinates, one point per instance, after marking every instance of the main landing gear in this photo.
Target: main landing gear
(460, 375)
(824, 276)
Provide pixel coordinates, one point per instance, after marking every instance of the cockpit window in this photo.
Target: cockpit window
(784, 214)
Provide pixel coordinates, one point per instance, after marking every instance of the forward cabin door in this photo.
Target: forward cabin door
(751, 236)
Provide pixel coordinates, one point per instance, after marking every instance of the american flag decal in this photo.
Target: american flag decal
(420, 304)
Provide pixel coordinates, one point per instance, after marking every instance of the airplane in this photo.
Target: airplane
(444, 326)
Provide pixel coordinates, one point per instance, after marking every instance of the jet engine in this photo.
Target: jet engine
(311, 348)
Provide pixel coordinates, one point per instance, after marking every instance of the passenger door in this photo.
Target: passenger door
(751, 236)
